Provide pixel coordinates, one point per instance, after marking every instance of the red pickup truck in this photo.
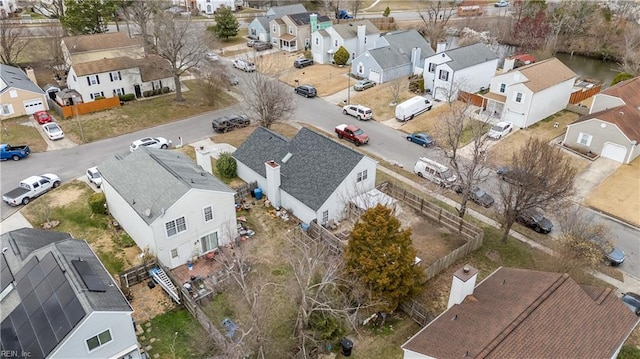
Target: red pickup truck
(352, 133)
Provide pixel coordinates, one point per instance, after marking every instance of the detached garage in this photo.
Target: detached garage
(19, 94)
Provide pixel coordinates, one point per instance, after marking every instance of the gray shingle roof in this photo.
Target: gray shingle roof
(16, 78)
(303, 18)
(264, 21)
(467, 56)
(316, 168)
(280, 11)
(398, 53)
(23, 241)
(350, 30)
(152, 179)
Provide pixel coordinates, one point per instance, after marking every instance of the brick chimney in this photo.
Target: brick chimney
(464, 281)
(272, 169)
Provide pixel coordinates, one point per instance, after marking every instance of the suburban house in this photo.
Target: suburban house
(528, 94)
(7, 7)
(396, 54)
(58, 300)
(169, 205)
(209, 7)
(468, 68)
(19, 92)
(112, 64)
(292, 32)
(521, 313)
(357, 37)
(313, 185)
(259, 27)
(612, 127)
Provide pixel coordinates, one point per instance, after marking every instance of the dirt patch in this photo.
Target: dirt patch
(380, 100)
(277, 62)
(613, 194)
(63, 198)
(148, 302)
(237, 137)
(427, 122)
(327, 79)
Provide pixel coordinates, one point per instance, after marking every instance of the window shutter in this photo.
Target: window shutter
(98, 79)
(119, 76)
(111, 76)
(89, 80)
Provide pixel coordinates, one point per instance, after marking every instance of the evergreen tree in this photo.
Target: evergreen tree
(341, 57)
(382, 256)
(386, 12)
(88, 16)
(226, 24)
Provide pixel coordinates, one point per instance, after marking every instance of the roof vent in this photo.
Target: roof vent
(455, 317)
(287, 157)
(202, 174)
(147, 212)
(621, 113)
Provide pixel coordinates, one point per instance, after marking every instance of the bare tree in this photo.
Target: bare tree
(216, 80)
(540, 175)
(355, 6)
(141, 13)
(51, 8)
(396, 87)
(470, 168)
(178, 42)
(53, 46)
(269, 99)
(13, 41)
(435, 15)
(631, 58)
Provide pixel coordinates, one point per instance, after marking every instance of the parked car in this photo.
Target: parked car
(414, 106)
(252, 42)
(306, 91)
(535, 220)
(352, 133)
(478, 195)
(30, 188)
(300, 63)
(261, 46)
(233, 79)
(421, 138)
(613, 255)
(501, 4)
(53, 131)
(434, 172)
(94, 176)
(13, 152)
(212, 56)
(358, 111)
(228, 123)
(632, 300)
(500, 130)
(363, 85)
(244, 65)
(42, 117)
(151, 142)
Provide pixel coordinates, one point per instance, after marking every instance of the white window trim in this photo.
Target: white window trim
(443, 72)
(8, 107)
(13, 93)
(175, 221)
(515, 97)
(204, 214)
(174, 250)
(586, 136)
(500, 87)
(98, 336)
(207, 235)
(362, 176)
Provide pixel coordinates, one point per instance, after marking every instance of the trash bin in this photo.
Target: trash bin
(346, 345)
(258, 193)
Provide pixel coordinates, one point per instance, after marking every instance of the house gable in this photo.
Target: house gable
(544, 74)
(14, 78)
(468, 56)
(398, 52)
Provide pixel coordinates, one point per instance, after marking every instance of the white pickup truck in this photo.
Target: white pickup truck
(30, 188)
(244, 65)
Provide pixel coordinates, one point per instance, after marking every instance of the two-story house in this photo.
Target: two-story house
(528, 94)
(357, 37)
(468, 68)
(59, 301)
(259, 27)
(314, 185)
(394, 55)
(169, 205)
(209, 7)
(112, 64)
(293, 32)
(19, 94)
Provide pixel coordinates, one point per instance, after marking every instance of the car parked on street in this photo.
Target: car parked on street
(352, 133)
(306, 91)
(94, 176)
(501, 3)
(211, 56)
(358, 111)
(42, 117)
(244, 65)
(151, 142)
(421, 139)
(478, 195)
(231, 122)
(300, 63)
(500, 130)
(363, 85)
(30, 188)
(632, 300)
(53, 131)
(535, 219)
(261, 46)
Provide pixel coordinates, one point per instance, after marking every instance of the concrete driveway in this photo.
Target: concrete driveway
(587, 180)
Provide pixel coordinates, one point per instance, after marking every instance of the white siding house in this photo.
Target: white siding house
(259, 26)
(209, 7)
(357, 37)
(313, 185)
(168, 204)
(530, 93)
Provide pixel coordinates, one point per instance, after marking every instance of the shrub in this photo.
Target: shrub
(157, 92)
(125, 241)
(226, 165)
(622, 76)
(127, 97)
(147, 93)
(341, 56)
(99, 98)
(386, 12)
(166, 90)
(308, 54)
(416, 85)
(98, 202)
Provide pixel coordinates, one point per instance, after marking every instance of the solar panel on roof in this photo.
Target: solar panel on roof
(89, 278)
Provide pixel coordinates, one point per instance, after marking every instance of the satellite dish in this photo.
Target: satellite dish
(147, 212)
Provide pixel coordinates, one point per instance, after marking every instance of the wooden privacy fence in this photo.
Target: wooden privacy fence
(583, 94)
(84, 108)
(136, 274)
(473, 99)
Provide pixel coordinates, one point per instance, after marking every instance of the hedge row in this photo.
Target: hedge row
(156, 92)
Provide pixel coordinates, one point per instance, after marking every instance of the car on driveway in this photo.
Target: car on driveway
(151, 142)
(42, 117)
(421, 139)
(358, 111)
(306, 91)
(261, 46)
(478, 195)
(212, 56)
(535, 219)
(363, 85)
(501, 4)
(53, 131)
(252, 42)
(231, 122)
(300, 63)
(500, 130)
(94, 176)
(632, 300)
(244, 65)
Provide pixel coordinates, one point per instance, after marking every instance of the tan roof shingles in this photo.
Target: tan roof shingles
(545, 74)
(84, 43)
(527, 314)
(153, 67)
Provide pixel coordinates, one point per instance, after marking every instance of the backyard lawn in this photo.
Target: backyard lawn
(379, 99)
(327, 79)
(22, 131)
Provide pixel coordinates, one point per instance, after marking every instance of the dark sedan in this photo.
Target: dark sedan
(479, 196)
(228, 123)
(535, 220)
(421, 138)
(632, 300)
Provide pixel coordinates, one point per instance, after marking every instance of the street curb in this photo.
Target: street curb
(615, 218)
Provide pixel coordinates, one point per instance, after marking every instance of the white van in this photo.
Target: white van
(412, 107)
(434, 172)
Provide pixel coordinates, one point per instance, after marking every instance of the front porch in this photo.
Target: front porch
(288, 43)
